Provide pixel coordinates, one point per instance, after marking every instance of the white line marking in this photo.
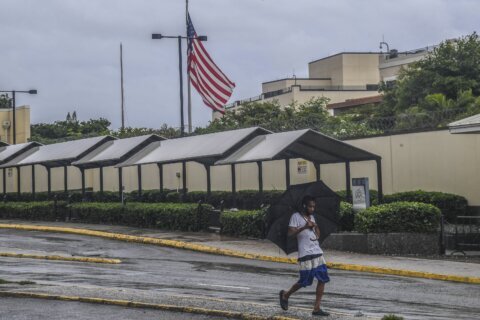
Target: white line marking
(221, 286)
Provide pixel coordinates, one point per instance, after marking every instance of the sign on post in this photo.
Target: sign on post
(360, 193)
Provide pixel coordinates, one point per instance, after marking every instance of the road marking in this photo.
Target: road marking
(60, 258)
(222, 286)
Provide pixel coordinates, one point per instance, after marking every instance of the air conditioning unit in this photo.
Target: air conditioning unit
(6, 124)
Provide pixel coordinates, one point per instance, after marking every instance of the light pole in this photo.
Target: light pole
(158, 36)
(14, 124)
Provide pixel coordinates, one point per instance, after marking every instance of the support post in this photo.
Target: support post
(348, 181)
(234, 185)
(65, 179)
(19, 189)
(317, 171)
(184, 179)
(101, 180)
(4, 181)
(160, 175)
(287, 173)
(82, 171)
(209, 180)
(260, 177)
(139, 176)
(49, 182)
(33, 181)
(379, 180)
(120, 183)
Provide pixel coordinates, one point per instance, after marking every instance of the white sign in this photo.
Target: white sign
(302, 167)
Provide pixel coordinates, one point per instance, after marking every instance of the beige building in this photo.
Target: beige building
(341, 78)
(22, 115)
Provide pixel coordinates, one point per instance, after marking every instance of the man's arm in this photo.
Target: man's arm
(292, 231)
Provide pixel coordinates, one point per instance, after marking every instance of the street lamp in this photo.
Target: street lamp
(14, 125)
(157, 36)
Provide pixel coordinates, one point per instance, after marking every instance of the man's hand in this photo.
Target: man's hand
(310, 224)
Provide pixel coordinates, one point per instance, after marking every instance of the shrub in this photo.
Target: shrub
(398, 217)
(244, 223)
(450, 205)
(34, 210)
(347, 216)
(171, 216)
(246, 199)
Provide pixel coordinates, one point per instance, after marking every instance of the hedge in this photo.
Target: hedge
(450, 205)
(34, 210)
(171, 216)
(347, 216)
(244, 223)
(398, 217)
(245, 199)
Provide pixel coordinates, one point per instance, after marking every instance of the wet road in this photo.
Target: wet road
(189, 275)
(32, 309)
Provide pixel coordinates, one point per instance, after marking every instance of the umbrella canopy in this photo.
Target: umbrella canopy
(326, 213)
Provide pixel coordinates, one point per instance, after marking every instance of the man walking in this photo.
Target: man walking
(310, 255)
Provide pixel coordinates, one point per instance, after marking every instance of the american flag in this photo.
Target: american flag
(211, 83)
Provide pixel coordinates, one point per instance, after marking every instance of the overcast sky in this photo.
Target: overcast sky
(69, 49)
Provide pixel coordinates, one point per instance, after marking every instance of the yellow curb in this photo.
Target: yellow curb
(238, 254)
(60, 258)
(133, 304)
(405, 273)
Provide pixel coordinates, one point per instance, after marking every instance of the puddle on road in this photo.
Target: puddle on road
(204, 266)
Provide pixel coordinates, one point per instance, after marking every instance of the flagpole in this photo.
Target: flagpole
(121, 87)
(189, 92)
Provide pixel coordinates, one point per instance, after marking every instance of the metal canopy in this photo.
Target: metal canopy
(58, 154)
(115, 151)
(307, 144)
(467, 125)
(9, 152)
(205, 149)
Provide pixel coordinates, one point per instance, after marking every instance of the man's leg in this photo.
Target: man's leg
(319, 295)
(293, 289)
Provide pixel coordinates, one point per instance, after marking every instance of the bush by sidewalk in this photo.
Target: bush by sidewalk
(170, 216)
(347, 216)
(398, 217)
(245, 199)
(243, 223)
(34, 210)
(451, 205)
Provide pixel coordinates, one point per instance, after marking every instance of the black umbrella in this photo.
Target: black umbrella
(326, 213)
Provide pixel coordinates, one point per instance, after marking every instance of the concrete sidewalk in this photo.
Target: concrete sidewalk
(469, 269)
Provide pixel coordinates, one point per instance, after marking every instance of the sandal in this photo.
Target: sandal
(283, 302)
(320, 312)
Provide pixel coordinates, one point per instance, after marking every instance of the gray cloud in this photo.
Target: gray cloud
(69, 50)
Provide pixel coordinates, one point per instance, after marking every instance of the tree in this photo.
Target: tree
(59, 131)
(4, 101)
(451, 69)
(270, 115)
(164, 131)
